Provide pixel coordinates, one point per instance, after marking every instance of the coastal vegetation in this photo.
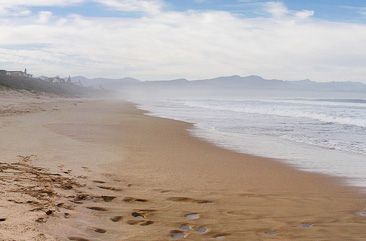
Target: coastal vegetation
(55, 85)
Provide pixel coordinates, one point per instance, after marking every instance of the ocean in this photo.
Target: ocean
(318, 135)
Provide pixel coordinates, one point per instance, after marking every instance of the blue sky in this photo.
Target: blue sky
(338, 10)
(332, 10)
(322, 40)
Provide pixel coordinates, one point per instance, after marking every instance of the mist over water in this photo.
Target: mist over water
(326, 135)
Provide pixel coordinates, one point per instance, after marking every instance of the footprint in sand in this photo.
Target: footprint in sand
(306, 225)
(220, 236)
(110, 188)
(177, 234)
(33, 202)
(100, 230)
(161, 190)
(187, 199)
(108, 198)
(201, 229)
(140, 222)
(98, 181)
(132, 200)
(78, 239)
(185, 227)
(147, 223)
(192, 216)
(165, 191)
(116, 218)
(140, 217)
(97, 209)
(142, 213)
(134, 222)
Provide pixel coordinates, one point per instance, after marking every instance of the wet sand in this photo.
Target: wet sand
(122, 175)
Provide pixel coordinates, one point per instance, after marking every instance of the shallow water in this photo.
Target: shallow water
(320, 135)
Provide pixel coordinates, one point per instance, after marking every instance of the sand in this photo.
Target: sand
(103, 170)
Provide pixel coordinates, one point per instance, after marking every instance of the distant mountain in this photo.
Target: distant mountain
(236, 81)
(227, 83)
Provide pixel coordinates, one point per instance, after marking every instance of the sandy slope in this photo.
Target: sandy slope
(126, 176)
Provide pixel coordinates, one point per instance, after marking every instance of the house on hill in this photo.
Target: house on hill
(16, 73)
(56, 79)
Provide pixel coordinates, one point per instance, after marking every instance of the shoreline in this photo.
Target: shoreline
(148, 178)
(208, 136)
(190, 128)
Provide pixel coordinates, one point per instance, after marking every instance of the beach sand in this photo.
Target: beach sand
(103, 170)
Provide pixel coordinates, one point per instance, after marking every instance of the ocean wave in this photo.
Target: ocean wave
(358, 101)
(284, 112)
(326, 138)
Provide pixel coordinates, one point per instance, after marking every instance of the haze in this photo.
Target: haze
(198, 39)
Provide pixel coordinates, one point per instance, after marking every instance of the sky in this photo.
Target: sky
(321, 40)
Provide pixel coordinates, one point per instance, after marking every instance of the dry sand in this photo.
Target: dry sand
(102, 170)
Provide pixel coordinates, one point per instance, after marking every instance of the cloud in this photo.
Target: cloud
(191, 44)
(279, 9)
(276, 9)
(147, 6)
(11, 7)
(19, 8)
(11, 3)
(44, 17)
(304, 14)
(14, 11)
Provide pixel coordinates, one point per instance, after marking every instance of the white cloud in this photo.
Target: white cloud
(19, 8)
(279, 10)
(44, 17)
(147, 6)
(304, 14)
(189, 44)
(10, 3)
(276, 9)
(14, 11)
